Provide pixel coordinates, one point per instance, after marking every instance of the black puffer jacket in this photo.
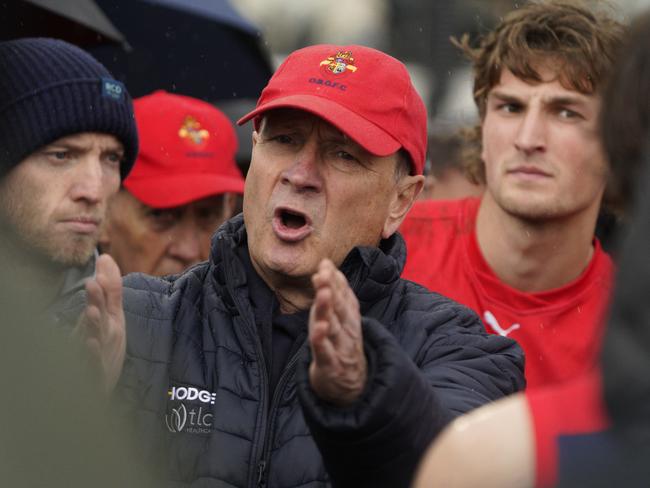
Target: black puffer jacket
(197, 384)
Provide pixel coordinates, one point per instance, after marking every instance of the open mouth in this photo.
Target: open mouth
(291, 225)
(292, 220)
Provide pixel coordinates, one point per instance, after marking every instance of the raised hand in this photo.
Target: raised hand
(339, 369)
(102, 324)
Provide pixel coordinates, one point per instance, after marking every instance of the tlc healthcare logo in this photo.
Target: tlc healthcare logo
(191, 412)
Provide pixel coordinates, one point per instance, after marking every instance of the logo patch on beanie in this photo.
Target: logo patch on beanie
(342, 62)
(191, 131)
(113, 89)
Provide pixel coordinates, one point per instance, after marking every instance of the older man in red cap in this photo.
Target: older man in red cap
(296, 356)
(184, 185)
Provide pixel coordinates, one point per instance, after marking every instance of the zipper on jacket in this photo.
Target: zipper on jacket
(261, 468)
(257, 475)
(264, 378)
(270, 419)
(257, 470)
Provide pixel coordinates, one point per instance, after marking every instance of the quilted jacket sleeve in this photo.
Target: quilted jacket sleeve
(422, 376)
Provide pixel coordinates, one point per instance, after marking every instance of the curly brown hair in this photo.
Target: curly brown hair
(579, 41)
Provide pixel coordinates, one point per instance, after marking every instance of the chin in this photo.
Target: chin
(527, 206)
(534, 212)
(292, 264)
(72, 257)
(76, 251)
(291, 269)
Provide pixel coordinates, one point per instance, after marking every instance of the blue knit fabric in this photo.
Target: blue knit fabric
(51, 89)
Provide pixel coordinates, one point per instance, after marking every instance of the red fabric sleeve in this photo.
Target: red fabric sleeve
(575, 407)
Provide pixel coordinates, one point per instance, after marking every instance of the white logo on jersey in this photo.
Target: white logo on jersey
(492, 322)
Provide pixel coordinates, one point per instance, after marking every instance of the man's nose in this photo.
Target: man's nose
(531, 134)
(304, 174)
(88, 180)
(187, 242)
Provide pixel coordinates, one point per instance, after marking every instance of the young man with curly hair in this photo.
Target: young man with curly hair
(524, 255)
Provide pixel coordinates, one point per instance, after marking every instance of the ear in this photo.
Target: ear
(406, 191)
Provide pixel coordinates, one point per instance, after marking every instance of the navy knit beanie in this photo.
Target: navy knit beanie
(51, 89)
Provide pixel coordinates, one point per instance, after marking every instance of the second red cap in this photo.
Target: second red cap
(187, 151)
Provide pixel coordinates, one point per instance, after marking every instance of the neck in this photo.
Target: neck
(293, 294)
(294, 299)
(534, 255)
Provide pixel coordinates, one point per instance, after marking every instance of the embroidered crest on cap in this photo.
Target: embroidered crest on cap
(341, 63)
(191, 130)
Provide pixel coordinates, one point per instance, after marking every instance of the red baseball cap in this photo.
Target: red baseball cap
(187, 151)
(365, 93)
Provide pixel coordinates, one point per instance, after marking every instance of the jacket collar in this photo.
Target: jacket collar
(371, 271)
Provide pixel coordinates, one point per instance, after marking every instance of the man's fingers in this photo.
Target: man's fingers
(323, 326)
(102, 325)
(90, 323)
(338, 368)
(95, 294)
(345, 304)
(94, 348)
(324, 274)
(330, 282)
(328, 276)
(109, 278)
(322, 348)
(322, 304)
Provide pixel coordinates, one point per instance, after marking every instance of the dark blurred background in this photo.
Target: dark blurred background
(224, 51)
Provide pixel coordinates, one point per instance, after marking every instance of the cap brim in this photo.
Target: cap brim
(365, 133)
(174, 190)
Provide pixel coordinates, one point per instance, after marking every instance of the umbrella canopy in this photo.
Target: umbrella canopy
(201, 48)
(81, 22)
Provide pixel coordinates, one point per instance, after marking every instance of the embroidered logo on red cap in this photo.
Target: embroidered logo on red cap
(191, 131)
(341, 63)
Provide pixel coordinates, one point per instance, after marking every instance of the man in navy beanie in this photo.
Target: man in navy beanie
(67, 139)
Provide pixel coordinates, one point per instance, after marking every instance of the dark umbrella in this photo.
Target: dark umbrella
(81, 22)
(201, 48)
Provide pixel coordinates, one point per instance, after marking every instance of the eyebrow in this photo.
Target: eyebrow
(109, 148)
(551, 100)
(503, 96)
(332, 134)
(336, 136)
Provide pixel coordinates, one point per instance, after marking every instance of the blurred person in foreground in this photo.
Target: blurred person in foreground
(576, 434)
(524, 255)
(296, 356)
(444, 176)
(58, 429)
(183, 186)
(67, 138)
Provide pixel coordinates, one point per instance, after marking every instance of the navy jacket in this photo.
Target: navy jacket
(197, 384)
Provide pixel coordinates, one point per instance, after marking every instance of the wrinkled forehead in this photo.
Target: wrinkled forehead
(296, 119)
